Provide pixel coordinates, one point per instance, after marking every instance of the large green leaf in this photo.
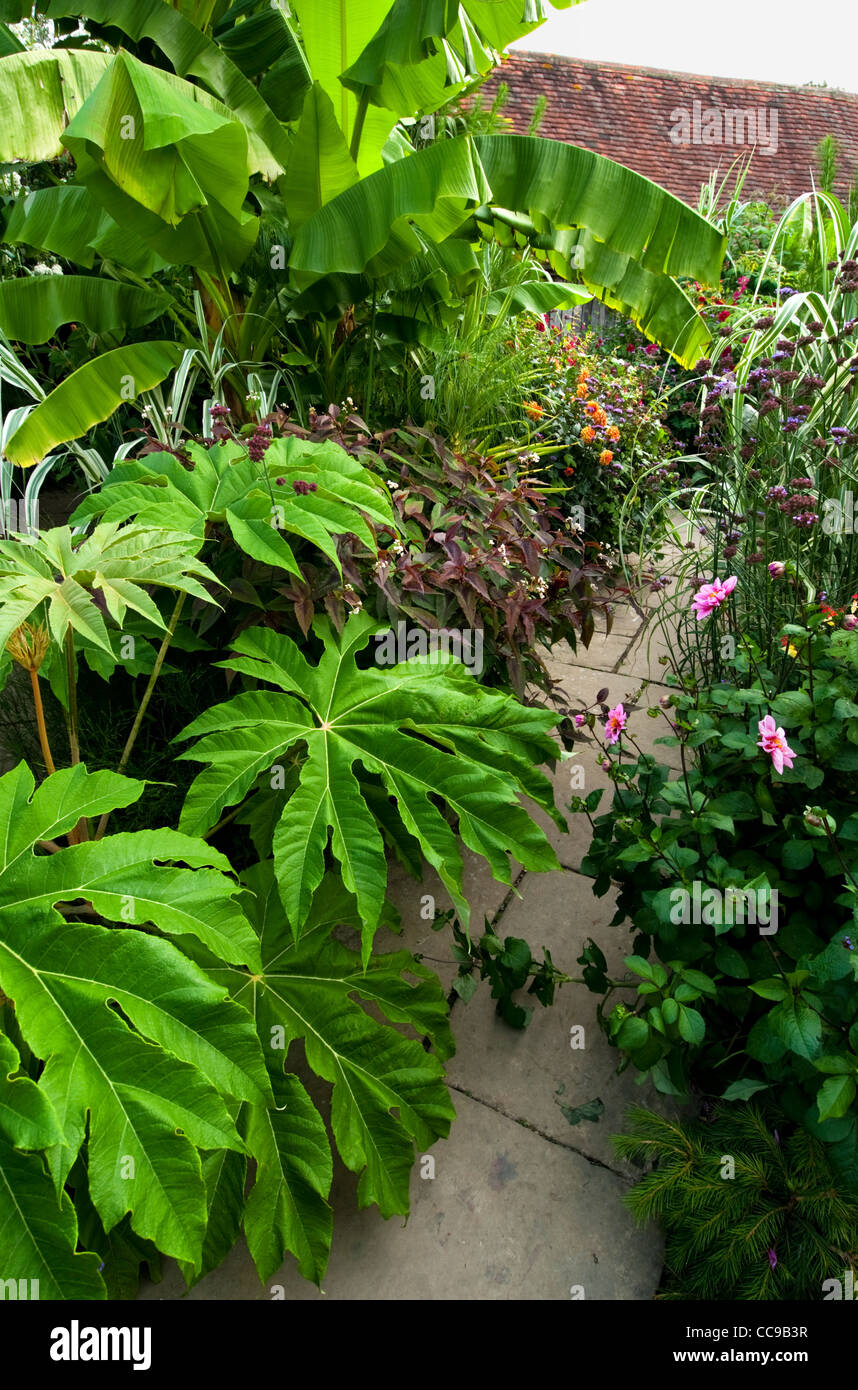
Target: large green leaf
(388, 1091)
(34, 307)
(153, 1093)
(167, 166)
(631, 237)
(424, 54)
(39, 91)
(334, 34)
(320, 165)
(67, 220)
(368, 228)
(192, 54)
(64, 572)
(90, 395)
(427, 728)
(561, 186)
(257, 501)
(38, 1232)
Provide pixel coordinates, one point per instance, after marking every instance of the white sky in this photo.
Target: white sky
(770, 40)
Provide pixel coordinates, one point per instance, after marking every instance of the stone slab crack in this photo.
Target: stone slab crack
(534, 1129)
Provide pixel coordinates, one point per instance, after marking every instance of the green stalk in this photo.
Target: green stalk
(71, 718)
(357, 129)
(370, 360)
(147, 695)
(80, 832)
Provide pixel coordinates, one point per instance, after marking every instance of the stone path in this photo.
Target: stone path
(522, 1205)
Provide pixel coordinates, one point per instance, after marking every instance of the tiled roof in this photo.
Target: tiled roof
(657, 122)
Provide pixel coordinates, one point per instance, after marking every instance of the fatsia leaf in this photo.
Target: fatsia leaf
(388, 1091)
(38, 1232)
(65, 572)
(427, 728)
(287, 1207)
(225, 1175)
(147, 1109)
(90, 395)
(33, 308)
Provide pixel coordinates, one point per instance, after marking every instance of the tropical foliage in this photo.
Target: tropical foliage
(217, 217)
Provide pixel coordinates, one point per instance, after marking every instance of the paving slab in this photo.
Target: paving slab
(508, 1215)
(529, 1074)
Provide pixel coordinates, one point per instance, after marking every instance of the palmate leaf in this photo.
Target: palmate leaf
(256, 500)
(388, 1092)
(153, 1093)
(427, 728)
(121, 876)
(65, 572)
(38, 1231)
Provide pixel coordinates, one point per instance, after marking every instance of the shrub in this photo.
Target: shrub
(606, 414)
(751, 1206)
(478, 544)
(739, 874)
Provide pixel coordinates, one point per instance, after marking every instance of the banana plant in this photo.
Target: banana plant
(193, 179)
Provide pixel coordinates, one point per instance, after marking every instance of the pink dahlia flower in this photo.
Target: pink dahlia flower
(773, 741)
(711, 596)
(615, 724)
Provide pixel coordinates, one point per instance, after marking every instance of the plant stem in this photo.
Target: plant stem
(80, 832)
(357, 128)
(71, 673)
(371, 359)
(40, 721)
(147, 695)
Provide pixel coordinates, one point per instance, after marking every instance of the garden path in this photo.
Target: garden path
(522, 1204)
